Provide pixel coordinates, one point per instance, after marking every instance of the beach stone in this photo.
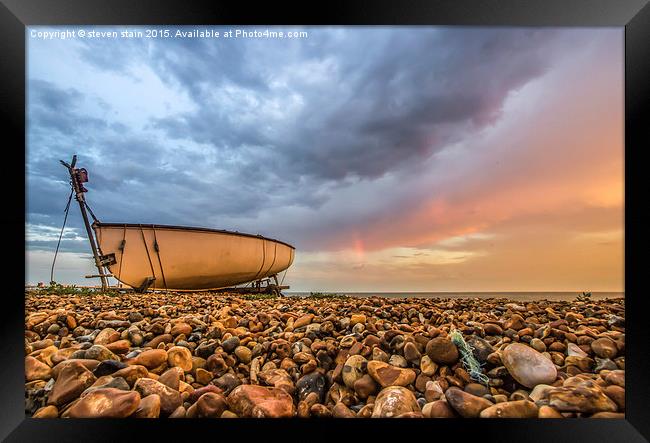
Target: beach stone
(341, 411)
(398, 361)
(365, 386)
(540, 392)
(388, 375)
(528, 366)
(574, 350)
(50, 411)
(202, 376)
(108, 367)
(393, 401)
(131, 373)
(476, 389)
(149, 407)
(320, 411)
(428, 366)
(72, 381)
(438, 409)
(538, 345)
(105, 403)
(260, 402)
(353, 369)
(154, 342)
(100, 353)
(616, 377)
(515, 322)
(610, 415)
(481, 348)
(442, 351)
(466, 404)
(106, 336)
(511, 409)
(228, 382)
(617, 394)
(379, 355)
(178, 356)
(492, 329)
(303, 321)
(179, 412)
(604, 364)
(172, 377)
(169, 398)
(580, 395)
(546, 411)
(197, 393)
(181, 328)
(108, 381)
(604, 347)
(36, 370)
(244, 354)
(211, 405)
(314, 382)
(411, 352)
(151, 358)
(230, 344)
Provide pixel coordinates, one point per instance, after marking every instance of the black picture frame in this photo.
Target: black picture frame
(15, 15)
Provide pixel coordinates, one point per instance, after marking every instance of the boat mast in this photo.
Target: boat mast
(79, 190)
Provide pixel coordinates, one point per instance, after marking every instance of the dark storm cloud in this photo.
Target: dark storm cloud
(275, 123)
(395, 97)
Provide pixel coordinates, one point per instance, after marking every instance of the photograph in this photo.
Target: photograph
(325, 221)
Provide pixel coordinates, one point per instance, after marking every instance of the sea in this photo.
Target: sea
(514, 295)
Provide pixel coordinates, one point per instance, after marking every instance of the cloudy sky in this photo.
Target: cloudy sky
(393, 159)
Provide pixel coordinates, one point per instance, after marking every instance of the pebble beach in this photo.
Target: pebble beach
(209, 355)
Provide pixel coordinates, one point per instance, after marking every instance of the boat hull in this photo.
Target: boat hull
(183, 258)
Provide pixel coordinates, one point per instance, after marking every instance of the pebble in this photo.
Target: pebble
(311, 383)
(353, 370)
(105, 403)
(441, 350)
(393, 401)
(149, 407)
(438, 409)
(260, 402)
(388, 375)
(511, 409)
(169, 398)
(191, 355)
(580, 396)
(528, 366)
(180, 357)
(72, 381)
(36, 370)
(466, 404)
(604, 347)
(211, 405)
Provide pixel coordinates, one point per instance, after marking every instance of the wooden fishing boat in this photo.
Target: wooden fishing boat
(178, 257)
(186, 258)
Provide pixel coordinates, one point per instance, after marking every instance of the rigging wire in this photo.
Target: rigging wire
(67, 209)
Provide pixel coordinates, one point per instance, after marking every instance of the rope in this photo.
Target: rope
(91, 211)
(285, 274)
(122, 246)
(472, 365)
(157, 249)
(67, 209)
(147, 250)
